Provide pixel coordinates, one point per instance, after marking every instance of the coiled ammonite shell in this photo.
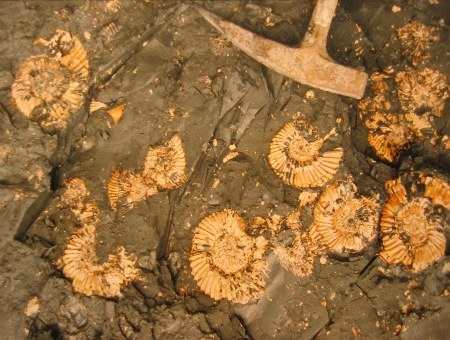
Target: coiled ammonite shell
(294, 156)
(412, 221)
(416, 38)
(125, 189)
(343, 220)
(423, 91)
(80, 264)
(226, 262)
(165, 164)
(391, 135)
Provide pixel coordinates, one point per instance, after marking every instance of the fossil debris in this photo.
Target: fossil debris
(294, 156)
(226, 262)
(412, 221)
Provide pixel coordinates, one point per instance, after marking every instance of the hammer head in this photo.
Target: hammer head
(308, 64)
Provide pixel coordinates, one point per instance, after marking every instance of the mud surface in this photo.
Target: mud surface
(165, 62)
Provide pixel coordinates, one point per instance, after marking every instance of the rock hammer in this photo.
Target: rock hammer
(308, 63)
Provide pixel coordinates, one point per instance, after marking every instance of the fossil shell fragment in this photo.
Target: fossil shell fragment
(423, 91)
(116, 113)
(126, 189)
(95, 106)
(294, 156)
(343, 220)
(165, 164)
(393, 134)
(226, 262)
(412, 221)
(80, 264)
(416, 38)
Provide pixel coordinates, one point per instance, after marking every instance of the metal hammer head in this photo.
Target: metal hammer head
(308, 64)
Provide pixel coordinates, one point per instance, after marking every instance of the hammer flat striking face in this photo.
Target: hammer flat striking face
(308, 64)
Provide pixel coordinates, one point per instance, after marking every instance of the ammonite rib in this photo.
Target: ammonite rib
(225, 261)
(411, 226)
(344, 221)
(294, 156)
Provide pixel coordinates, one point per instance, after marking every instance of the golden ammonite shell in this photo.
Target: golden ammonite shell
(294, 156)
(423, 91)
(80, 264)
(412, 221)
(126, 189)
(343, 220)
(416, 38)
(165, 164)
(74, 197)
(393, 134)
(225, 261)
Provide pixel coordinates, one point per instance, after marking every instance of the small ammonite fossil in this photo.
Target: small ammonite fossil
(392, 134)
(226, 262)
(412, 221)
(423, 91)
(295, 156)
(80, 264)
(165, 164)
(343, 220)
(416, 38)
(126, 189)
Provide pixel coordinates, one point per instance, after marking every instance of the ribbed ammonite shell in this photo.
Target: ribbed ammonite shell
(226, 262)
(165, 164)
(416, 38)
(423, 91)
(391, 135)
(412, 221)
(343, 220)
(126, 189)
(294, 156)
(80, 264)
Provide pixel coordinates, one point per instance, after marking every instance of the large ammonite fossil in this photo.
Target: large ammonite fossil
(343, 220)
(80, 264)
(126, 189)
(48, 89)
(412, 221)
(294, 156)
(165, 164)
(225, 261)
(393, 134)
(416, 38)
(423, 91)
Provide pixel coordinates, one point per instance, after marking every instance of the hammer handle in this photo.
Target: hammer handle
(320, 24)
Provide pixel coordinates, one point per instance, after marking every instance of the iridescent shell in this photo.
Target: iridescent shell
(412, 221)
(416, 38)
(80, 264)
(391, 135)
(165, 164)
(226, 262)
(294, 156)
(343, 220)
(423, 91)
(126, 189)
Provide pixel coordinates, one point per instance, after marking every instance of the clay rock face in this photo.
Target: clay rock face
(226, 262)
(344, 221)
(412, 221)
(295, 156)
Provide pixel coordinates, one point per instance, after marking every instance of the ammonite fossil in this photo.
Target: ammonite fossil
(48, 89)
(295, 156)
(165, 164)
(423, 91)
(343, 220)
(125, 189)
(80, 264)
(412, 221)
(416, 38)
(391, 135)
(226, 262)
